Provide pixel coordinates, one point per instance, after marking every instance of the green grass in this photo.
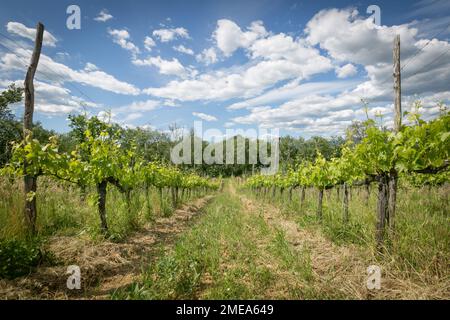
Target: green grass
(421, 243)
(62, 211)
(228, 254)
(21, 257)
(231, 252)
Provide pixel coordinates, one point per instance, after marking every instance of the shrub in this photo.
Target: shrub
(18, 258)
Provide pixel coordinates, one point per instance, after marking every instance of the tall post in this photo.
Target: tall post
(30, 181)
(397, 127)
(397, 86)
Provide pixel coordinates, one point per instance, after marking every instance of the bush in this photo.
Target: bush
(18, 258)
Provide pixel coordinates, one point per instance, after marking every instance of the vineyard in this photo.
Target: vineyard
(104, 201)
(99, 160)
(107, 201)
(416, 156)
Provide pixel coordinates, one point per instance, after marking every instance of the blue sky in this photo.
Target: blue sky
(299, 66)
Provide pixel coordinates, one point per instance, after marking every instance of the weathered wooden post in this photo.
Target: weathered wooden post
(30, 181)
(393, 179)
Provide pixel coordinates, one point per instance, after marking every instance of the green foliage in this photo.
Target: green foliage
(10, 96)
(417, 148)
(10, 129)
(18, 258)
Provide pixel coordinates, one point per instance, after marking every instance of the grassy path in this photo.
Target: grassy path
(231, 253)
(237, 250)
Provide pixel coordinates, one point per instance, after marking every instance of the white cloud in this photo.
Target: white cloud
(149, 43)
(349, 70)
(273, 84)
(133, 116)
(56, 72)
(21, 30)
(348, 37)
(183, 49)
(121, 37)
(128, 113)
(139, 106)
(171, 103)
(103, 16)
(204, 116)
(229, 37)
(220, 85)
(292, 91)
(311, 114)
(166, 35)
(106, 116)
(167, 67)
(208, 56)
(272, 59)
(53, 99)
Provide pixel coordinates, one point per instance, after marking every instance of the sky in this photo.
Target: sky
(301, 67)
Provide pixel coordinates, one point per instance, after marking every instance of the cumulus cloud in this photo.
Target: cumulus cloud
(220, 85)
(49, 70)
(170, 34)
(54, 99)
(103, 16)
(229, 36)
(149, 43)
(128, 113)
(273, 59)
(166, 67)
(208, 56)
(21, 30)
(293, 90)
(273, 84)
(347, 37)
(204, 116)
(308, 115)
(349, 70)
(139, 106)
(121, 37)
(351, 40)
(184, 50)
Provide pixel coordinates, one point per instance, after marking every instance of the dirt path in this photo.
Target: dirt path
(105, 266)
(341, 271)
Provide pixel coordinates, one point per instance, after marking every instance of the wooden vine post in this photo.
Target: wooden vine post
(393, 181)
(387, 182)
(30, 181)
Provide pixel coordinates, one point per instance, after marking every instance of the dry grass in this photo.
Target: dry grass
(105, 266)
(340, 270)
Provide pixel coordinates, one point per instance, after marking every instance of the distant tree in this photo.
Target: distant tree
(356, 132)
(8, 97)
(10, 129)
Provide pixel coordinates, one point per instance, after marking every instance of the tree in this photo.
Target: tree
(7, 97)
(10, 129)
